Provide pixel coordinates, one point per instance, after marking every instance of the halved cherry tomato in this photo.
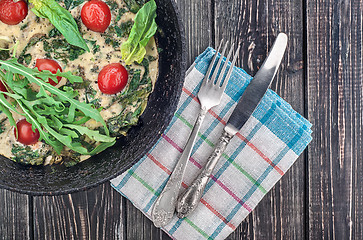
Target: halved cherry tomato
(112, 78)
(25, 134)
(13, 12)
(50, 65)
(96, 15)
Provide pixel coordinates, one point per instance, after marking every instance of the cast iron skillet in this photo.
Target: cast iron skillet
(52, 180)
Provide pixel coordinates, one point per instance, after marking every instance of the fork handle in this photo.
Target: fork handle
(164, 206)
(189, 200)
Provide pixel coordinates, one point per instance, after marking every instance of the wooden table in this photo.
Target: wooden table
(321, 196)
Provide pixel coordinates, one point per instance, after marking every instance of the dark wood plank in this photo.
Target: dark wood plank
(140, 227)
(14, 215)
(256, 24)
(197, 18)
(94, 214)
(244, 230)
(334, 34)
(198, 24)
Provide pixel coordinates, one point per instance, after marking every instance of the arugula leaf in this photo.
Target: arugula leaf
(61, 19)
(92, 134)
(8, 114)
(54, 112)
(33, 75)
(143, 29)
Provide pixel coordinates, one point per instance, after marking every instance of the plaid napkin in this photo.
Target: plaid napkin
(255, 159)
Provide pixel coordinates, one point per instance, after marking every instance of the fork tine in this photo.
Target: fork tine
(221, 75)
(231, 68)
(219, 63)
(206, 77)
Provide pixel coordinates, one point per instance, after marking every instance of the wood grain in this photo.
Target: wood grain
(14, 215)
(198, 18)
(334, 34)
(94, 214)
(140, 227)
(280, 215)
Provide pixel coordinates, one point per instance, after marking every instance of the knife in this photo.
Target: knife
(250, 99)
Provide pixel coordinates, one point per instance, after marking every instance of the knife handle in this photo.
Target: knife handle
(164, 206)
(189, 200)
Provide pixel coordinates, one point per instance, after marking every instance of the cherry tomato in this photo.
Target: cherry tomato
(112, 78)
(13, 12)
(50, 65)
(25, 134)
(96, 15)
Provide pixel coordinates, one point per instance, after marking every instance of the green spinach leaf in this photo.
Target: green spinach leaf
(112, 4)
(25, 155)
(70, 4)
(60, 49)
(61, 19)
(134, 5)
(4, 54)
(32, 41)
(124, 29)
(143, 29)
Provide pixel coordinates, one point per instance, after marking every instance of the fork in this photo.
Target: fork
(209, 95)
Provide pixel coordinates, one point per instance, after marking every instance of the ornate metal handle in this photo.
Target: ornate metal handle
(189, 200)
(164, 206)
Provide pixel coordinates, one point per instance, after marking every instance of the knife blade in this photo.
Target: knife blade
(258, 86)
(250, 99)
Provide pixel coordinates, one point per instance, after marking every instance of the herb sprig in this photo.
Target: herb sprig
(56, 113)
